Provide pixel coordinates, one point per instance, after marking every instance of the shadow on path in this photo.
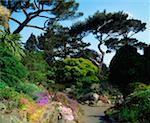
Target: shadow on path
(95, 114)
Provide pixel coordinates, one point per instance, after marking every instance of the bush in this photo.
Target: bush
(137, 87)
(11, 42)
(138, 105)
(77, 71)
(29, 89)
(12, 71)
(11, 98)
(136, 108)
(3, 85)
(39, 70)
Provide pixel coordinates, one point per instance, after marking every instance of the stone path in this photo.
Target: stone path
(94, 114)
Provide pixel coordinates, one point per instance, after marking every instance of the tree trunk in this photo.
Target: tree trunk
(102, 59)
(102, 53)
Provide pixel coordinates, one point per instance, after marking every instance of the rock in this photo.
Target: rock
(104, 99)
(96, 96)
(91, 103)
(87, 102)
(109, 102)
(99, 103)
(86, 97)
(89, 97)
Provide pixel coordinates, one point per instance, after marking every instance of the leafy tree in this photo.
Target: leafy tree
(47, 9)
(147, 64)
(31, 43)
(58, 43)
(78, 71)
(125, 68)
(11, 42)
(111, 29)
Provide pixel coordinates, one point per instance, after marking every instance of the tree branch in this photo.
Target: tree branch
(42, 16)
(39, 11)
(109, 21)
(37, 27)
(133, 34)
(15, 20)
(14, 7)
(36, 4)
(25, 12)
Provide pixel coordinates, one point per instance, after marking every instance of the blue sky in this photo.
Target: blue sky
(138, 9)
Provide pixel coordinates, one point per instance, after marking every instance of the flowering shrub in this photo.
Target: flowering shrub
(71, 107)
(66, 113)
(43, 99)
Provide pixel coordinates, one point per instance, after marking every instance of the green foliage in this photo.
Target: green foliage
(57, 42)
(3, 85)
(135, 109)
(137, 87)
(29, 89)
(138, 105)
(11, 43)
(57, 10)
(129, 114)
(8, 93)
(39, 70)
(125, 68)
(12, 71)
(10, 98)
(31, 43)
(78, 71)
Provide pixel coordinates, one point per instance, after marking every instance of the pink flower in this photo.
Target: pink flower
(66, 113)
(68, 117)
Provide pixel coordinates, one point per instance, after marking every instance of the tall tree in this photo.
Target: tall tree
(56, 42)
(47, 9)
(111, 29)
(31, 43)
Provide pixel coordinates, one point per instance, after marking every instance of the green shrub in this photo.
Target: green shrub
(11, 42)
(137, 107)
(12, 71)
(39, 70)
(3, 85)
(78, 71)
(129, 114)
(29, 89)
(137, 87)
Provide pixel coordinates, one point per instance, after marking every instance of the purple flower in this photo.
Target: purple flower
(43, 100)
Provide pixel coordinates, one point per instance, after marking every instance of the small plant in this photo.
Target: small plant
(29, 89)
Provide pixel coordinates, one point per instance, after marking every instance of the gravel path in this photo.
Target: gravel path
(94, 114)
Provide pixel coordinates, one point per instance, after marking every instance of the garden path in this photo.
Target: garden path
(95, 114)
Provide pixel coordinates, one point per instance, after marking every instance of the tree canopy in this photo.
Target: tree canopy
(50, 10)
(114, 30)
(56, 42)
